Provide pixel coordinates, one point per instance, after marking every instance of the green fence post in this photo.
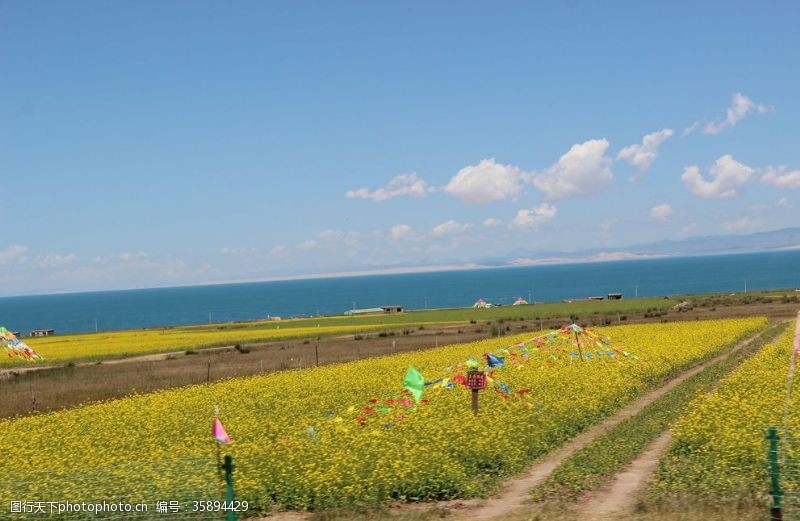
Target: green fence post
(775, 511)
(229, 497)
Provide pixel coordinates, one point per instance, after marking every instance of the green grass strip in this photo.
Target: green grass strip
(591, 466)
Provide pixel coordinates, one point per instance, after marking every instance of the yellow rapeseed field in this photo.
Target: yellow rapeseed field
(115, 344)
(719, 450)
(322, 437)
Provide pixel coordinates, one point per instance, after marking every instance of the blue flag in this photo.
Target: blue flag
(495, 361)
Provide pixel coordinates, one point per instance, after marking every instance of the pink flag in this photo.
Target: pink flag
(218, 431)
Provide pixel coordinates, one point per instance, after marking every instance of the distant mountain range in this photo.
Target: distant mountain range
(784, 238)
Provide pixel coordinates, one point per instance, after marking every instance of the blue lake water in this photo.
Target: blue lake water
(109, 310)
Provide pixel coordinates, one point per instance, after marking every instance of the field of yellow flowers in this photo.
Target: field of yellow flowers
(115, 344)
(343, 434)
(719, 451)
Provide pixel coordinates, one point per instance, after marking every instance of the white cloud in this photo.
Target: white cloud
(642, 156)
(307, 245)
(125, 257)
(117, 266)
(728, 176)
(450, 227)
(12, 253)
(487, 181)
(330, 235)
(492, 222)
(607, 225)
(279, 250)
(401, 231)
(530, 217)
(689, 228)
(691, 128)
(784, 203)
(583, 170)
(781, 177)
(661, 212)
(403, 184)
(739, 224)
(740, 107)
(238, 252)
(55, 260)
(347, 238)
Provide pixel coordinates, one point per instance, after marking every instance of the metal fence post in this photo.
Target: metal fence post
(229, 497)
(775, 511)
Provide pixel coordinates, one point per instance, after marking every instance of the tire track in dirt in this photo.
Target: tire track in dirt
(515, 493)
(620, 495)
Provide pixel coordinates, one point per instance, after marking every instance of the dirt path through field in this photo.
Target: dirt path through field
(516, 492)
(620, 495)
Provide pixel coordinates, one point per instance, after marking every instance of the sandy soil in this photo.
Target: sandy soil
(620, 495)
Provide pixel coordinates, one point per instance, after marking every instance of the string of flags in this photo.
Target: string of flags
(572, 343)
(16, 347)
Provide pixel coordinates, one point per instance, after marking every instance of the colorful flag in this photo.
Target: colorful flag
(495, 361)
(16, 347)
(218, 431)
(414, 382)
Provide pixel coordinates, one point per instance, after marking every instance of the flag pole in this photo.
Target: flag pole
(578, 341)
(216, 442)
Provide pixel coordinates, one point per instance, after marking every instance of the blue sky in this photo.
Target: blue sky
(160, 143)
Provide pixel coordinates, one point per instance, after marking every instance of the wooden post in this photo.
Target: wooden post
(208, 373)
(578, 341)
(316, 353)
(219, 460)
(476, 380)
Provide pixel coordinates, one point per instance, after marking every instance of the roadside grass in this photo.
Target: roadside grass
(685, 511)
(590, 467)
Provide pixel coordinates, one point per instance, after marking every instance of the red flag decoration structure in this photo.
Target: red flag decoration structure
(570, 344)
(575, 342)
(16, 347)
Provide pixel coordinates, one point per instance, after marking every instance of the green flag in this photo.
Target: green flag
(414, 382)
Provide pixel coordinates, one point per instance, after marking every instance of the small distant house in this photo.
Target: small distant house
(273, 317)
(392, 309)
(615, 296)
(43, 332)
(597, 298)
(520, 302)
(480, 303)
